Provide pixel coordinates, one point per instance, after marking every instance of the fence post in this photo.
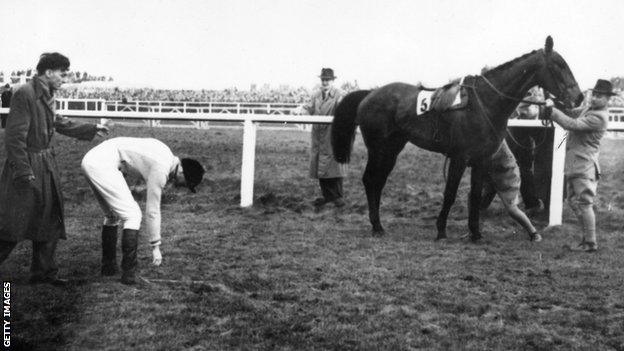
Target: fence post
(248, 164)
(557, 180)
(102, 107)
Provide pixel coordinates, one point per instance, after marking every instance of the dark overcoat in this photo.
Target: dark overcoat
(322, 163)
(35, 211)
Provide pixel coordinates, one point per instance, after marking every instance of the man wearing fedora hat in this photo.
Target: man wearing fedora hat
(105, 166)
(6, 102)
(322, 164)
(586, 126)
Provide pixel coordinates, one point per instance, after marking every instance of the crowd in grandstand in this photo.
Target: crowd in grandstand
(16, 77)
(265, 94)
(284, 94)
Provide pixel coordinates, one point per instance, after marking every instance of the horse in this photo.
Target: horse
(468, 135)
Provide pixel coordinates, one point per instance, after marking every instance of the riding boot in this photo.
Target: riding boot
(109, 250)
(129, 243)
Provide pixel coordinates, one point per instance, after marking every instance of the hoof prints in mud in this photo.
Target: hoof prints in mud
(276, 203)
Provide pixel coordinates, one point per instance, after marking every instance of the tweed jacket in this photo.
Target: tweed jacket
(586, 127)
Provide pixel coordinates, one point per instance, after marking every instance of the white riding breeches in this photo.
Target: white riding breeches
(110, 189)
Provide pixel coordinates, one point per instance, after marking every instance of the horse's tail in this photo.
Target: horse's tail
(344, 123)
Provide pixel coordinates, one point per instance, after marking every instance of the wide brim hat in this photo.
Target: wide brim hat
(604, 86)
(193, 172)
(327, 73)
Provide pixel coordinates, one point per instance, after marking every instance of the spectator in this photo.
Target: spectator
(322, 163)
(31, 201)
(6, 102)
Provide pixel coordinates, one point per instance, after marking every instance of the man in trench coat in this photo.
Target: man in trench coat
(31, 202)
(6, 102)
(322, 164)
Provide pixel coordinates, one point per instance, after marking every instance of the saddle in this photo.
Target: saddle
(432, 103)
(449, 96)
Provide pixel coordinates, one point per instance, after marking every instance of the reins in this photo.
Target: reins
(500, 93)
(545, 123)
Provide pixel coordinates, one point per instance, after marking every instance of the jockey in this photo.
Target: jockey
(105, 166)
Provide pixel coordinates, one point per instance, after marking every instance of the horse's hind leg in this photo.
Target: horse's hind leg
(456, 170)
(381, 160)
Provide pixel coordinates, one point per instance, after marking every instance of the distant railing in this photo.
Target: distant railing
(184, 107)
(177, 106)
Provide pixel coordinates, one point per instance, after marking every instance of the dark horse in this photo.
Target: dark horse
(468, 136)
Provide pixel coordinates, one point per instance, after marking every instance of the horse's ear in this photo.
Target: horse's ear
(549, 45)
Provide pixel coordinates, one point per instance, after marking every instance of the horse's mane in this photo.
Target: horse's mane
(452, 82)
(506, 65)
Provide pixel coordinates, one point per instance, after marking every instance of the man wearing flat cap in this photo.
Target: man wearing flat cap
(31, 194)
(586, 127)
(322, 164)
(151, 160)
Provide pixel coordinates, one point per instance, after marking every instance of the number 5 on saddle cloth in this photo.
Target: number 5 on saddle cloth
(435, 101)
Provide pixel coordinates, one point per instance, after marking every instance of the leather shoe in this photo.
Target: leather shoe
(585, 246)
(536, 237)
(339, 202)
(590, 247)
(319, 201)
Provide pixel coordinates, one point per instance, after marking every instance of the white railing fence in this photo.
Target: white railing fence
(250, 122)
(183, 107)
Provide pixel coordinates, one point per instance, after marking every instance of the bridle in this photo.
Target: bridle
(545, 123)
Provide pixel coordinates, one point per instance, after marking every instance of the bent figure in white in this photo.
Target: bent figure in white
(151, 160)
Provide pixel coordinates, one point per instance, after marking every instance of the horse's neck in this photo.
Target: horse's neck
(512, 82)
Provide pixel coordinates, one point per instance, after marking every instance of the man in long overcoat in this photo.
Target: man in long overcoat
(322, 164)
(31, 202)
(6, 102)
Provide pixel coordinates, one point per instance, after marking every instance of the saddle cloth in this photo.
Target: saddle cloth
(442, 99)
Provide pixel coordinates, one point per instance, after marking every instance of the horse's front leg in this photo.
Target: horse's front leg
(476, 186)
(456, 170)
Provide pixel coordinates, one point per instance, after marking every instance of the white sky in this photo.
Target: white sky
(218, 44)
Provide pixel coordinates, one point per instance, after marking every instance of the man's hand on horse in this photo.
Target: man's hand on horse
(546, 110)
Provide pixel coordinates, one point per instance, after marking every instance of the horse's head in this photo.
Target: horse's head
(555, 76)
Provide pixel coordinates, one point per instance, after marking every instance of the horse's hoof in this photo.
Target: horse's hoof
(441, 238)
(379, 232)
(476, 239)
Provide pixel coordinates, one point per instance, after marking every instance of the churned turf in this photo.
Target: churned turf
(281, 275)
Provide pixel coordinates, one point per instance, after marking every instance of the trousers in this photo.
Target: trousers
(43, 265)
(580, 196)
(111, 190)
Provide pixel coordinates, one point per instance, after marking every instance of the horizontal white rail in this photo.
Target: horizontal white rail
(251, 120)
